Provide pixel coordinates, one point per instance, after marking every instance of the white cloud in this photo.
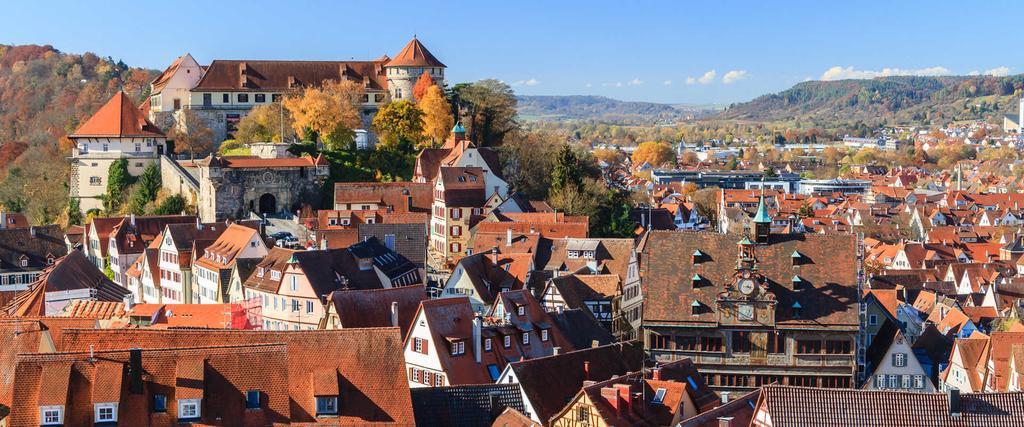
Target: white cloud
(530, 82)
(840, 73)
(734, 76)
(635, 82)
(589, 85)
(667, 82)
(998, 71)
(690, 80)
(708, 77)
(618, 84)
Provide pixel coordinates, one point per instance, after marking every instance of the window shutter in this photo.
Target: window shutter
(894, 361)
(426, 348)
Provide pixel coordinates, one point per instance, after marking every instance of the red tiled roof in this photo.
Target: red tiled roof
(118, 118)
(282, 76)
(372, 381)
(414, 54)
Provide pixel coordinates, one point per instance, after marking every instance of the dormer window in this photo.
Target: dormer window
(697, 280)
(797, 281)
(275, 275)
(526, 338)
(259, 272)
(521, 310)
(24, 261)
(105, 412)
(698, 256)
(188, 409)
(326, 405)
(797, 309)
(574, 254)
(695, 308)
(458, 348)
(51, 415)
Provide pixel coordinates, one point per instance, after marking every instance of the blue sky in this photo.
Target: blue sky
(662, 51)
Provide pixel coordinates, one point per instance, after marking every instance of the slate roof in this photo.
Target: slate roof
(464, 405)
(828, 268)
(410, 239)
(805, 406)
(134, 233)
(581, 328)
(740, 410)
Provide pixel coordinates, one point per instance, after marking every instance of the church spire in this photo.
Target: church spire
(762, 221)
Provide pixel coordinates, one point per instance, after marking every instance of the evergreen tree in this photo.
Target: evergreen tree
(118, 179)
(149, 183)
(74, 212)
(170, 206)
(613, 215)
(568, 170)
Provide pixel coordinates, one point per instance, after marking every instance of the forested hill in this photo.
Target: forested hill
(599, 108)
(893, 100)
(45, 94)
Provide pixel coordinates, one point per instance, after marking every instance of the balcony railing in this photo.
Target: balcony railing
(705, 357)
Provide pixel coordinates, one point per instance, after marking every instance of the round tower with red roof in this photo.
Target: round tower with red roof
(405, 68)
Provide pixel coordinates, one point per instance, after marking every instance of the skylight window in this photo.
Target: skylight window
(659, 396)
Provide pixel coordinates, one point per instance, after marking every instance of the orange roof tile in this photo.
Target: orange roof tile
(414, 54)
(118, 118)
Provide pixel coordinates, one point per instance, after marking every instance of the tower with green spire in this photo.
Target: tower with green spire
(762, 221)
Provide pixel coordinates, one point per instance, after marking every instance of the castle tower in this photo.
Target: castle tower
(407, 67)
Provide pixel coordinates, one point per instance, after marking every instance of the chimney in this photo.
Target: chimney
(624, 396)
(556, 350)
(199, 224)
(954, 402)
(135, 370)
(611, 395)
(586, 369)
(131, 219)
(32, 231)
(3, 220)
(477, 323)
(129, 302)
(656, 374)
(724, 421)
(725, 397)
(394, 313)
(508, 236)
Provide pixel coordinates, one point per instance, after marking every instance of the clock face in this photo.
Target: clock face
(746, 286)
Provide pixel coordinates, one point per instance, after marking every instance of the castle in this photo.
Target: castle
(225, 91)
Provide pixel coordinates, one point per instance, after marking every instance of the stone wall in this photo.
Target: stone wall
(237, 191)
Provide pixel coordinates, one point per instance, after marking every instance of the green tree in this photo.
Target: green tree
(568, 170)
(172, 205)
(118, 180)
(613, 215)
(399, 125)
(488, 109)
(74, 212)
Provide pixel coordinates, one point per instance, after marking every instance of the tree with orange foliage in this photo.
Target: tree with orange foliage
(331, 112)
(421, 86)
(437, 117)
(655, 153)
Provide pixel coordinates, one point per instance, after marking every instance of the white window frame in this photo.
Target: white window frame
(880, 381)
(919, 381)
(60, 415)
(99, 407)
(526, 339)
(184, 404)
(899, 360)
(544, 335)
(508, 341)
(487, 344)
(521, 310)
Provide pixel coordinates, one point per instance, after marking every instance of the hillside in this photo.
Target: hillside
(607, 110)
(892, 100)
(44, 95)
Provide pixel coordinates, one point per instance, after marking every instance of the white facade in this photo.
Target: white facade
(175, 93)
(900, 370)
(420, 357)
(92, 157)
(295, 305)
(206, 287)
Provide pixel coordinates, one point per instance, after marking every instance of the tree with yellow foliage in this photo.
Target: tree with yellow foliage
(264, 124)
(655, 153)
(437, 117)
(422, 84)
(399, 125)
(330, 112)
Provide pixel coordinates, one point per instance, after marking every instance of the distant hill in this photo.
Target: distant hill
(894, 100)
(44, 95)
(599, 108)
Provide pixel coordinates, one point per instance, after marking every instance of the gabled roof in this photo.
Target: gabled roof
(118, 118)
(72, 272)
(35, 243)
(414, 54)
(573, 368)
(372, 308)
